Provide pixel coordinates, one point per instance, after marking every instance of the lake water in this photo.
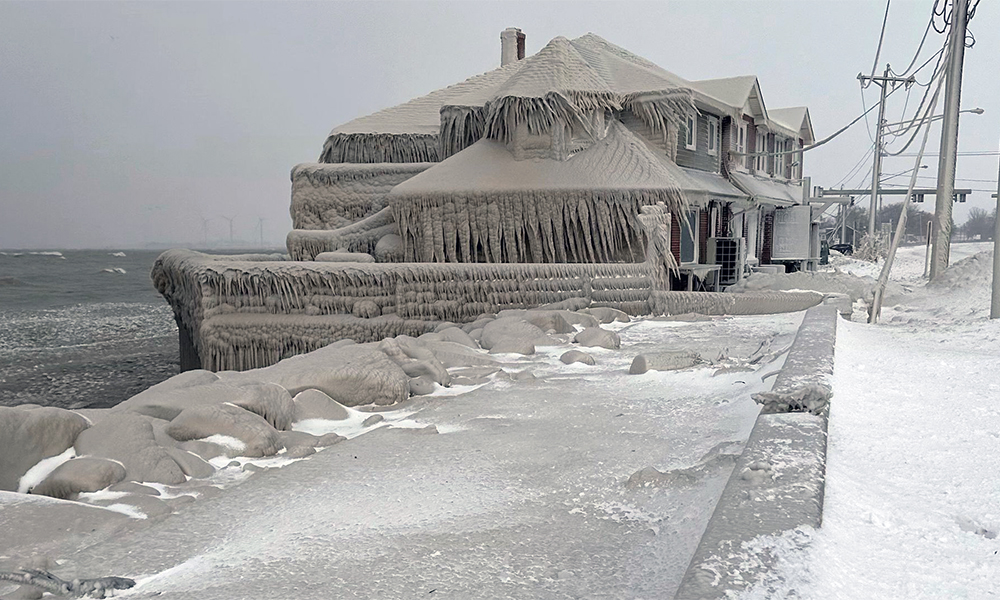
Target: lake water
(81, 327)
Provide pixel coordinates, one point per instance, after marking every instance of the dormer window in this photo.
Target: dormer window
(713, 135)
(691, 132)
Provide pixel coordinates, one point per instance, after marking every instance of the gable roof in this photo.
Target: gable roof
(795, 118)
(735, 92)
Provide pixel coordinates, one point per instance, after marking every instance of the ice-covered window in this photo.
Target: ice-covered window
(691, 132)
(713, 135)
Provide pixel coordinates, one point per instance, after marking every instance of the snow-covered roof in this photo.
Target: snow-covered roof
(407, 132)
(562, 81)
(735, 92)
(768, 191)
(620, 161)
(484, 205)
(589, 71)
(795, 118)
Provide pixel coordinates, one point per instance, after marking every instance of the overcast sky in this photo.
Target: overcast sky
(124, 124)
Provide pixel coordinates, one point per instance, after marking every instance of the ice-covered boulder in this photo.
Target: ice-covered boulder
(270, 401)
(352, 375)
(670, 360)
(28, 436)
(256, 435)
(454, 355)
(85, 474)
(431, 369)
(576, 356)
(129, 439)
(606, 314)
(595, 336)
(450, 334)
(514, 332)
(512, 345)
(314, 404)
(547, 320)
(190, 463)
(168, 402)
(389, 248)
(421, 386)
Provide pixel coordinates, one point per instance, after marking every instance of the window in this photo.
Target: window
(713, 135)
(689, 237)
(761, 150)
(691, 132)
(741, 137)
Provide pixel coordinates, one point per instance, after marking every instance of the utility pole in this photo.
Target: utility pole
(883, 82)
(940, 247)
(995, 300)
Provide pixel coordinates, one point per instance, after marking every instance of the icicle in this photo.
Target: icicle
(380, 148)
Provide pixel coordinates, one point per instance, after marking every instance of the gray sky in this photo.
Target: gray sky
(128, 123)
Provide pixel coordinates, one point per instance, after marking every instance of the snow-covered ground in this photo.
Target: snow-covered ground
(912, 507)
(520, 490)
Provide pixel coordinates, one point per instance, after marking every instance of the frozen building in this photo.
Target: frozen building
(583, 174)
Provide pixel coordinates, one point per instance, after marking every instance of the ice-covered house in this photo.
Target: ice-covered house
(583, 174)
(701, 132)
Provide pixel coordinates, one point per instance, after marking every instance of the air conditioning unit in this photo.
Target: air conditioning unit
(731, 254)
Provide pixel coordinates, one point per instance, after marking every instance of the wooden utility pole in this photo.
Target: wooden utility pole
(940, 245)
(883, 82)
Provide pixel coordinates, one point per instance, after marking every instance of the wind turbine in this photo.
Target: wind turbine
(204, 230)
(230, 219)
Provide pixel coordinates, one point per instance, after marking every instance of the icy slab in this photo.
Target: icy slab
(777, 485)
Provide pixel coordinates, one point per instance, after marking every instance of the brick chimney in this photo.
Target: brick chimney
(511, 46)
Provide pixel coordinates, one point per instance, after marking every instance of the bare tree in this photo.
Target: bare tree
(980, 223)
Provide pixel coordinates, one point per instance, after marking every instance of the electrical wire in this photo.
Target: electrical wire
(920, 47)
(918, 120)
(881, 37)
(857, 166)
(814, 144)
(864, 107)
(969, 153)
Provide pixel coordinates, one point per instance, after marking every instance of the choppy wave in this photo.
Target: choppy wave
(24, 332)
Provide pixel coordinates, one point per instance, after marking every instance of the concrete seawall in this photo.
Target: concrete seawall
(778, 481)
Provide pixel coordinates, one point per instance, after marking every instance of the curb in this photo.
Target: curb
(778, 481)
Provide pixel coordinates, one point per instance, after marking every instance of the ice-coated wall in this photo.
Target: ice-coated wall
(273, 309)
(329, 196)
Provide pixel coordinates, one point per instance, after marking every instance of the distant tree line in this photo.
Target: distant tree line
(979, 225)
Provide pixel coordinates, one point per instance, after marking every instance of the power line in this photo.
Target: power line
(916, 55)
(971, 153)
(815, 144)
(857, 166)
(935, 178)
(878, 51)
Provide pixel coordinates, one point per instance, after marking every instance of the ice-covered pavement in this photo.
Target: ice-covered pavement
(522, 494)
(912, 507)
